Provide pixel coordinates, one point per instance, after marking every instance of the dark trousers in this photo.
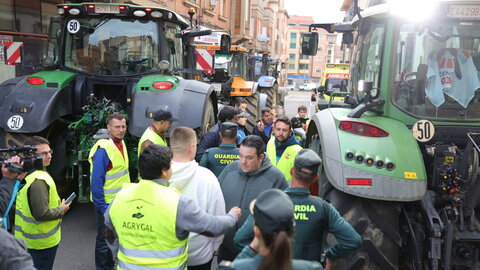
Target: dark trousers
(43, 258)
(103, 255)
(206, 266)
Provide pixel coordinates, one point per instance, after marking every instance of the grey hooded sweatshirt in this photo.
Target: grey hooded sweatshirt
(240, 188)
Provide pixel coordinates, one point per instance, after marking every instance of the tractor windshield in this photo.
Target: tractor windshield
(437, 70)
(238, 65)
(112, 46)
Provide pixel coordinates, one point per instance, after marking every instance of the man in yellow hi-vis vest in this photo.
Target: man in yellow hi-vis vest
(156, 132)
(283, 148)
(39, 210)
(108, 160)
(152, 221)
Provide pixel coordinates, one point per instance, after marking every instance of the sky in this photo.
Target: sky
(322, 11)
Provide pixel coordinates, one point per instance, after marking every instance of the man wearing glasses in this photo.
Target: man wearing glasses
(39, 210)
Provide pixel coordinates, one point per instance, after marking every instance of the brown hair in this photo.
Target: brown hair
(302, 108)
(115, 115)
(280, 255)
(285, 120)
(181, 138)
(36, 140)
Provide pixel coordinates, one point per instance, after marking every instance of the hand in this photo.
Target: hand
(236, 211)
(328, 264)
(65, 207)
(260, 126)
(13, 175)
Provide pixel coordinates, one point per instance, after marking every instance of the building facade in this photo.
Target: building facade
(303, 68)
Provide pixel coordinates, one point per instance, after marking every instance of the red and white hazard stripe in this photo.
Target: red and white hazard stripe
(13, 52)
(205, 60)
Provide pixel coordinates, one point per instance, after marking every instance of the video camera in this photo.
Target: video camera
(28, 157)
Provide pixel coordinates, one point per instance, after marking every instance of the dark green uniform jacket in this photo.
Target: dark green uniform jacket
(217, 158)
(248, 259)
(312, 217)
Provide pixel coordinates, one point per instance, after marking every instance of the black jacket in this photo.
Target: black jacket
(210, 139)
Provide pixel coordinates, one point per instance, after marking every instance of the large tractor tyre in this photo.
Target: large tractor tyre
(253, 108)
(209, 117)
(271, 95)
(378, 224)
(55, 135)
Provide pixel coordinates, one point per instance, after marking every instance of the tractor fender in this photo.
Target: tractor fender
(266, 81)
(29, 109)
(186, 102)
(394, 185)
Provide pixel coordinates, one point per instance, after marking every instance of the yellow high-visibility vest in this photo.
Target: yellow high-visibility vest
(152, 136)
(144, 217)
(37, 234)
(286, 160)
(118, 175)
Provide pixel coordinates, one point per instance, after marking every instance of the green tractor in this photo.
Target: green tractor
(105, 57)
(401, 162)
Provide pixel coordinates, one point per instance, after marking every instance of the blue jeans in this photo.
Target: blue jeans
(43, 258)
(103, 255)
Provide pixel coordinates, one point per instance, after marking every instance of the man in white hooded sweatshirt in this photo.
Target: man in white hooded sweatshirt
(200, 185)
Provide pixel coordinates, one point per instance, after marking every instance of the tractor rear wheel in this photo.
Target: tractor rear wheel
(378, 224)
(209, 117)
(271, 95)
(376, 221)
(253, 108)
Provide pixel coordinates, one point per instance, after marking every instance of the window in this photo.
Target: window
(320, 38)
(367, 55)
(174, 45)
(320, 48)
(329, 52)
(291, 66)
(331, 40)
(293, 40)
(291, 57)
(303, 66)
(303, 56)
(318, 70)
(319, 59)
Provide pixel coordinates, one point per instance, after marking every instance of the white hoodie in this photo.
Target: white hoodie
(200, 185)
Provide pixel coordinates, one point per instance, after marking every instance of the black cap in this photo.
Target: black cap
(163, 115)
(307, 159)
(273, 211)
(228, 127)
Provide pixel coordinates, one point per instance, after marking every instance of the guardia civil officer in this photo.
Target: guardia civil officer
(271, 247)
(156, 132)
(152, 221)
(313, 216)
(217, 158)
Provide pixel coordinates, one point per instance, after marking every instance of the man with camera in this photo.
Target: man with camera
(39, 210)
(7, 186)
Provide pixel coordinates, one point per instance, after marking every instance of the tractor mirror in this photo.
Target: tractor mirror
(225, 43)
(310, 43)
(347, 38)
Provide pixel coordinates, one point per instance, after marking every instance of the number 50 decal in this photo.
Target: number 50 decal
(73, 26)
(423, 130)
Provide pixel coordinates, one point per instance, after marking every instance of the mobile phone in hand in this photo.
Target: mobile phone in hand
(70, 198)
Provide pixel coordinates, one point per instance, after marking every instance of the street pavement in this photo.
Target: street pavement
(77, 248)
(297, 98)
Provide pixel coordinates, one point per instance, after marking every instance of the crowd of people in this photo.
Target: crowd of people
(238, 199)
